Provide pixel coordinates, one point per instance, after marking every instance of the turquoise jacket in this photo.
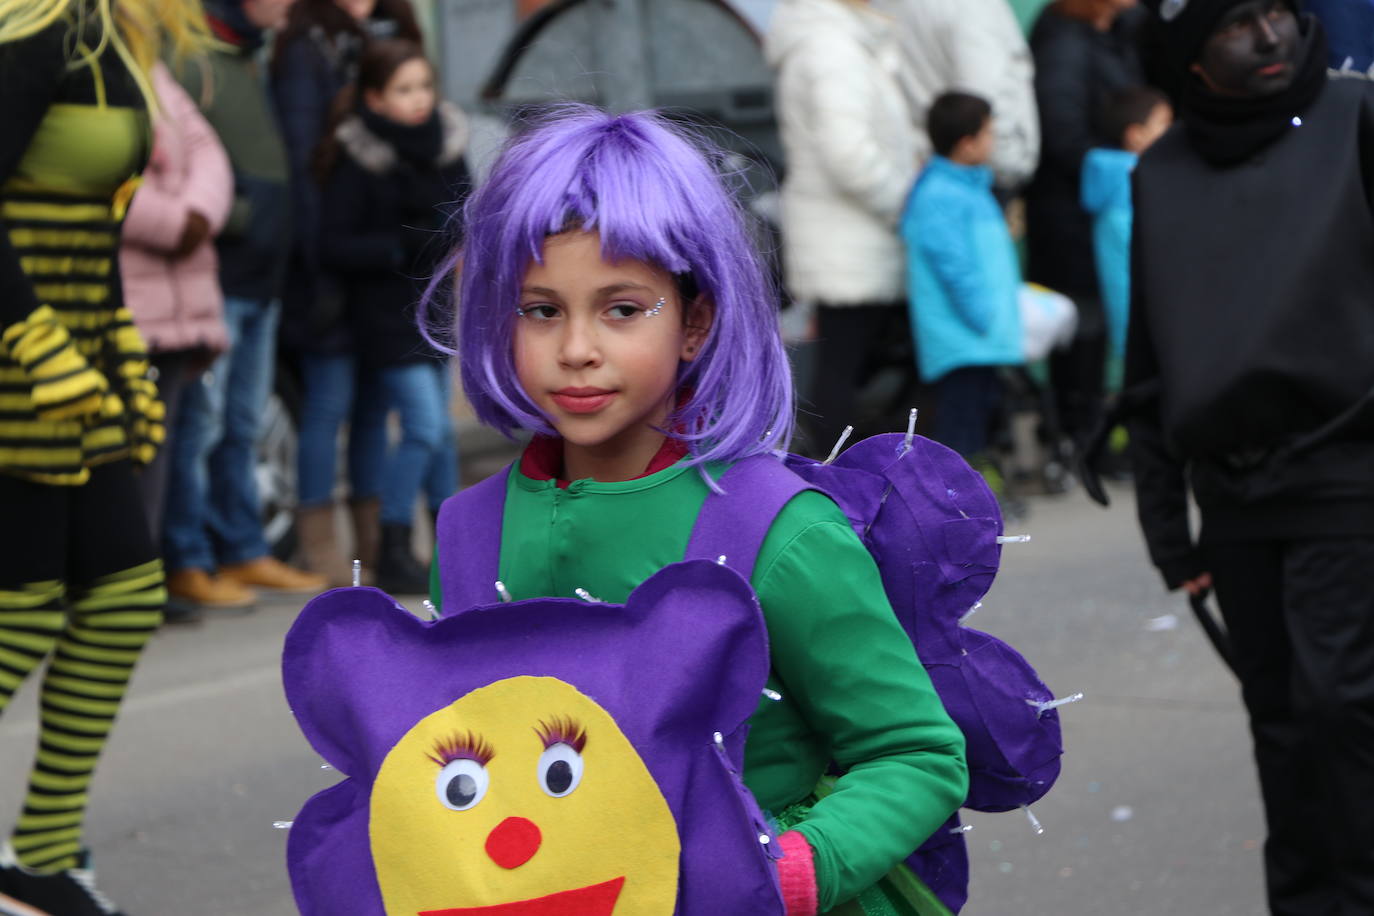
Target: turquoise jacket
(963, 278)
(1106, 195)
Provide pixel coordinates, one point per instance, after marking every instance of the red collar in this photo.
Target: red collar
(543, 458)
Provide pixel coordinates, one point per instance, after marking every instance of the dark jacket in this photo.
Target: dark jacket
(386, 227)
(228, 87)
(1253, 316)
(1076, 69)
(307, 73)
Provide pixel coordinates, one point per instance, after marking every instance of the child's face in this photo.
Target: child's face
(977, 149)
(1140, 137)
(591, 352)
(409, 95)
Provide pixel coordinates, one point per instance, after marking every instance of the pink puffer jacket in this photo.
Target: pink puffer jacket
(176, 302)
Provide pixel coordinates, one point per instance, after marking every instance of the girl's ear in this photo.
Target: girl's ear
(373, 100)
(700, 313)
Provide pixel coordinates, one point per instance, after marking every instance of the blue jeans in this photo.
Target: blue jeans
(427, 455)
(216, 434)
(334, 392)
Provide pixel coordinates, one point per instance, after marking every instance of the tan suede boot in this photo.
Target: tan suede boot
(319, 545)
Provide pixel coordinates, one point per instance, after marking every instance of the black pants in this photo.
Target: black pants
(176, 370)
(967, 401)
(853, 339)
(1077, 372)
(1301, 618)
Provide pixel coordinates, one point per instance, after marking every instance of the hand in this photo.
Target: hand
(196, 230)
(1200, 585)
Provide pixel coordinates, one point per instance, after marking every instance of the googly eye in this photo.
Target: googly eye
(461, 784)
(560, 770)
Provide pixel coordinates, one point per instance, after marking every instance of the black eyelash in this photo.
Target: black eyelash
(562, 730)
(467, 746)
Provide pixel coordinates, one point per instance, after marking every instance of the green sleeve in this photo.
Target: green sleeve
(436, 589)
(852, 672)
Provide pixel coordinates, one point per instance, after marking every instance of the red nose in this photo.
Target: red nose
(514, 842)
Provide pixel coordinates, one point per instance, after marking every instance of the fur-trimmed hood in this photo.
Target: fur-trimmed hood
(379, 157)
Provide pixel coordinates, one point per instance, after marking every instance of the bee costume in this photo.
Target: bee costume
(81, 583)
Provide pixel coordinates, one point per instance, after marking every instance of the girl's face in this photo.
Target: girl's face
(409, 95)
(597, 348)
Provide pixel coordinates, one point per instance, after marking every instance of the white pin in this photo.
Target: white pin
(429, 606)
(910, 431)
(1297, 121)
(970, 612)
(839, 444)
(962, 828)
(1043, 707)
(772, 694)
(502, 590)
(765, 839)
(586, 596)
(282, 825)
(719, 739)
(720, 560)
(1013, 539)
(1034, 821)
(325, 766)
(357, 573)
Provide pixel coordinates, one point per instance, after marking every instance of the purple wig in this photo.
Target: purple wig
(654, 196)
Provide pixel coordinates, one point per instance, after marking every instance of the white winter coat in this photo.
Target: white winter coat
(851, 144)
(975, 46)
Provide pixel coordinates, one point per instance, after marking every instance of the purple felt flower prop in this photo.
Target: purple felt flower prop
(546, 753)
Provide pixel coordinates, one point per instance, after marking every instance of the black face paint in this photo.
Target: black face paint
(1252, 52)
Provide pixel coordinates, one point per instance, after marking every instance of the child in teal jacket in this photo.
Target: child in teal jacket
(1138, 117)
(963, 275)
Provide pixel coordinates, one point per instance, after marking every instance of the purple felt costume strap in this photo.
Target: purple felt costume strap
(734, 523)
(469, 535)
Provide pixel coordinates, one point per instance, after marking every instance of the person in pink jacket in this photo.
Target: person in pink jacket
(170, 273)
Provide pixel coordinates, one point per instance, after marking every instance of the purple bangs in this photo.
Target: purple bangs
(653, 195)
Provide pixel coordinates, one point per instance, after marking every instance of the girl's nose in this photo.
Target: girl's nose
(513, 842)
(580, 346)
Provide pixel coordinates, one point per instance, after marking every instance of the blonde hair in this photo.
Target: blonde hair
(140, 31)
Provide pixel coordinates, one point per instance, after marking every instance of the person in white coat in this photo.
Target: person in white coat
(845, 97)
(975, 46)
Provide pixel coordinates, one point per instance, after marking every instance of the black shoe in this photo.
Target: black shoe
(66, 893)
(398, 572)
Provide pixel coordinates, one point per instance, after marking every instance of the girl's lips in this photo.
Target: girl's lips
(582, 401)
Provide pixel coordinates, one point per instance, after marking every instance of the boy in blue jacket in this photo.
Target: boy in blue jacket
(963, 277)
(1137, 118)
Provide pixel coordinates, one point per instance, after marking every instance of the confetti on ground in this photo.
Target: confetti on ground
(1122, 813)
(1160, 624)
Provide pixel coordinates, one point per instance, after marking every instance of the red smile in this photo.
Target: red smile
(583, 400)
(597, 900)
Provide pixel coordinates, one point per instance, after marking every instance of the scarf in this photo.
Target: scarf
(229, 24)
(1226, 130)
(418, 144)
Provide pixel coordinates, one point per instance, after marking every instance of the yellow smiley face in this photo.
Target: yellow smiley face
(522, 798)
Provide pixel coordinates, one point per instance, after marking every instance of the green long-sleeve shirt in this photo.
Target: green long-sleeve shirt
(853, 689)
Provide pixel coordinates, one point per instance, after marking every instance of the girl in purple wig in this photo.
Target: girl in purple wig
(611, 302)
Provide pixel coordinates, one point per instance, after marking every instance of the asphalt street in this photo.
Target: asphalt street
(1156, 811)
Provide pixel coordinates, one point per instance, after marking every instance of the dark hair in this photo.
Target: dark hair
(954, 116)
(376, 66)
(332, 19)
(1125, 107)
